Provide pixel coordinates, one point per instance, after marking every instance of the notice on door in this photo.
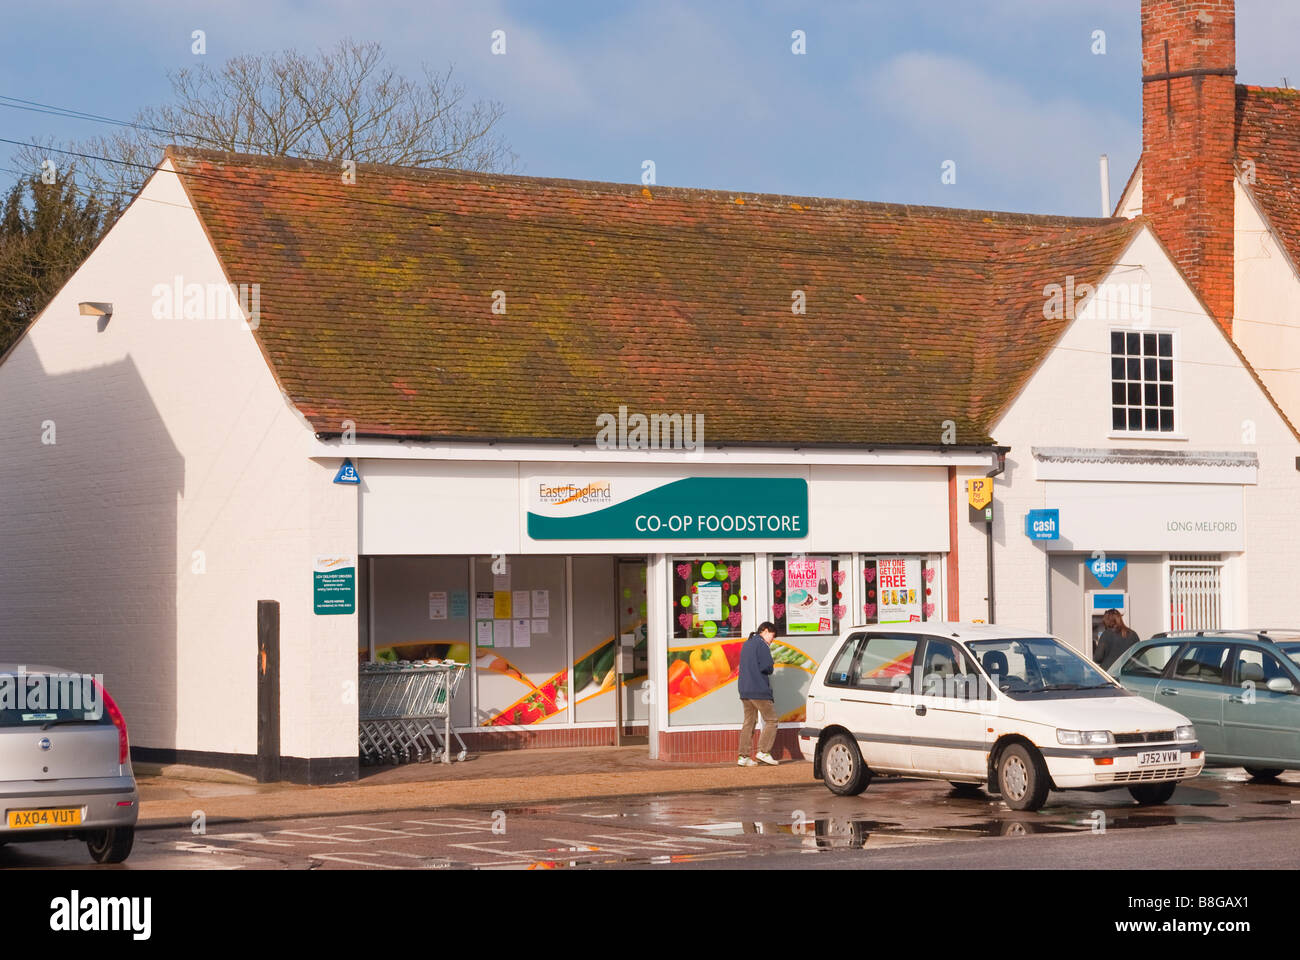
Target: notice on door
(334, 585)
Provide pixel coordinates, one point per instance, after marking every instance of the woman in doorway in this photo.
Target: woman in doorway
(1116, 637)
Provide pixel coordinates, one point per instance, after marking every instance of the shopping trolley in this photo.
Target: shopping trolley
(405, 711)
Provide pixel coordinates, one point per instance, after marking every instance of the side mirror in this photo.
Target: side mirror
(1281, 685)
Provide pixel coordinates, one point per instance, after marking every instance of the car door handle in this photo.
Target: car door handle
(920, 709)
(1166, 692)
(1236, 699)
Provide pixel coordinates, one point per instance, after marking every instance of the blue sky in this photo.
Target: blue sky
(1009, 90)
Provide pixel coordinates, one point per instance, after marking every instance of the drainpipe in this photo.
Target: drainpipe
(1000, 455)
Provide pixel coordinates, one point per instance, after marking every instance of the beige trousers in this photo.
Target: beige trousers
(768, 736)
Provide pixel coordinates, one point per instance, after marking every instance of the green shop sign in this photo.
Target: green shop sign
(695, 508)
(334, 585)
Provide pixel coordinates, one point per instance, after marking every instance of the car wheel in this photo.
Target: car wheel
(1263, 773)
(1022, 779)
(842, 766)
(965, 789)
(1153, 794)
(112, 845)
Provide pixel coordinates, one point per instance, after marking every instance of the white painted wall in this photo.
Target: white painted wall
(1266, 296)
(1130, 204)
(1266, 321)
(1066, 403)
(172, 438)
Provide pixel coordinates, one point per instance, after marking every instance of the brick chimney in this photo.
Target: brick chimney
(1189, 58)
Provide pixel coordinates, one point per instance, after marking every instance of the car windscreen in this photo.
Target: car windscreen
(1032, 666)
(37, 699)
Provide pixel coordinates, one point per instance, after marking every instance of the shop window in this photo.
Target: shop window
(809, 595)
(521, 640)
(707, 599)
(1142, 381)
(897, 590)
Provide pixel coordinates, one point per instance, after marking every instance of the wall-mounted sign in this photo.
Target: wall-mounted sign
(347, 473)
(1043, 524)
(979, 491)
(334, 585)
(1106, 569)
(694, 508)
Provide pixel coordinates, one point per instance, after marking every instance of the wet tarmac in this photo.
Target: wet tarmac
(896, 822)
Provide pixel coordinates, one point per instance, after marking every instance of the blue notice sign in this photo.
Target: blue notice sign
(1106, 569)
(1108, 601)
(1043, 524)
(347, 473)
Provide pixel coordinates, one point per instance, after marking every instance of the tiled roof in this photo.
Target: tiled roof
(1268, 133)
(376, 303)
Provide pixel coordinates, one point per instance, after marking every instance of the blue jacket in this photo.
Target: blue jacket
(755, 669)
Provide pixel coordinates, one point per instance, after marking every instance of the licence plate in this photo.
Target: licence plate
(1157, 756)
(61, 817)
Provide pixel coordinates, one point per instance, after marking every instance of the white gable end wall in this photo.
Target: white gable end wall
(1066, 403)
(1266, 295)
(175, 497)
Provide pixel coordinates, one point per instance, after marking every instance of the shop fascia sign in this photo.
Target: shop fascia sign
(690, 508)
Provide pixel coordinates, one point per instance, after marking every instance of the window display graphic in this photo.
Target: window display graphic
(696, 673)
(897, 590)
(807, 595)
(592, 672)
(707, 599)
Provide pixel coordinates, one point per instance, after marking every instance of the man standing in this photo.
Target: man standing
(755, 689)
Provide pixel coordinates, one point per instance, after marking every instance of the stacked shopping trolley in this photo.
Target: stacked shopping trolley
(405, 711)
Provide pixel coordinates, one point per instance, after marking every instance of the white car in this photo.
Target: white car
(1013, 710)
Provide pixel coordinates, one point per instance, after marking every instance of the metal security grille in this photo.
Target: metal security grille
(1195, 592)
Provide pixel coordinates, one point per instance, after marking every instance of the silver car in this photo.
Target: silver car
(65, 764)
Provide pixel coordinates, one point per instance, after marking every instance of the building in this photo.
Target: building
(1217, 178)
(515, 421)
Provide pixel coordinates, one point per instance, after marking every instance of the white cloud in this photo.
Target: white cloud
(960, 111)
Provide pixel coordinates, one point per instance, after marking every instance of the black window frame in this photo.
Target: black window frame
(1148, 372)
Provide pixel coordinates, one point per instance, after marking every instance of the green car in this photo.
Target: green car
(1240, 689)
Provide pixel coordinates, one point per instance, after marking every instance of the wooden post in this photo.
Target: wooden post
(268, 691)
